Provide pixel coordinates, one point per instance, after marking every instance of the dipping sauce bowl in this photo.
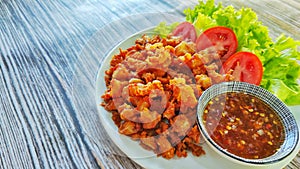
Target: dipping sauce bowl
(246, 123)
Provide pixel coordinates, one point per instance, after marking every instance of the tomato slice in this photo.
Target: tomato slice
(221, 37)
(246, 67)
(186, 31)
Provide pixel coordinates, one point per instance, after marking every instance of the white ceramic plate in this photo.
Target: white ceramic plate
(148, 159)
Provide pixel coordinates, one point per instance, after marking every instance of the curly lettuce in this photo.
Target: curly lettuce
(280, 58)
(163, 29)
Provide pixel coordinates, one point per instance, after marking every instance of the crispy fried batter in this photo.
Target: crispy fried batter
(153, 89)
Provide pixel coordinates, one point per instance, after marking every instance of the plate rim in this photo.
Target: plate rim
(140, 160)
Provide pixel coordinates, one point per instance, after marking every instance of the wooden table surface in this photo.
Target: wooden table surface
(50, 54)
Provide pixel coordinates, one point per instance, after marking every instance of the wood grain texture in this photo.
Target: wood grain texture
(48, 68)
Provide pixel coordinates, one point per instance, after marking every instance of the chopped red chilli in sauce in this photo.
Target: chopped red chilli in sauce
(243, 125)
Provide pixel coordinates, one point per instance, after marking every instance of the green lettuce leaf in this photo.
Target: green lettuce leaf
(163, 29)
(280, 58)
(206, 9)
(203, 22)
(286, 93)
